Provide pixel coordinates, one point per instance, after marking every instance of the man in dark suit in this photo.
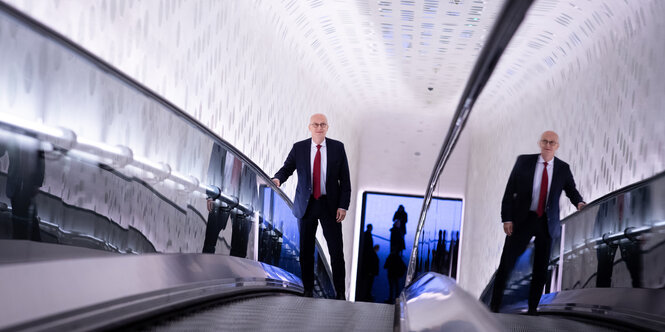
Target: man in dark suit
(530, 207)
(323, 194)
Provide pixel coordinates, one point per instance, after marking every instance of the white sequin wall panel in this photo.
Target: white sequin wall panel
(242, 68)
(251, 71)
(591, 71)
(44, 82)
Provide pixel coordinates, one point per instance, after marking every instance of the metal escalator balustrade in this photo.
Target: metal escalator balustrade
(113, 163)
(279, 313)
(507, 22)
(87, 161)
(612, 261)
(103, 175)
(79, 289)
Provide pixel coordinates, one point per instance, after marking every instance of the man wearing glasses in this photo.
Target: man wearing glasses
(322, 194)
(530, 207)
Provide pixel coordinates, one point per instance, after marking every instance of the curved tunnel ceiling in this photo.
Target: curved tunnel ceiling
(398, 54)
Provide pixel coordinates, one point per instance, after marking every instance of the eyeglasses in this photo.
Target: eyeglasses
(317, 125)
(546, 142)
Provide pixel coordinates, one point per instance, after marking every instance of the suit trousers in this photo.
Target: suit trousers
(317, 210)
(25, 225)
(513, 248)
(217, 219)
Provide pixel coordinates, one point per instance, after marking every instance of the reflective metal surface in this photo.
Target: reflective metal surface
(90, 158)
(438, 249)
(612, 261)
(95, 291)
(434, 303)
(642, 308)
(278, 314)
(618, 241)
(508, 21)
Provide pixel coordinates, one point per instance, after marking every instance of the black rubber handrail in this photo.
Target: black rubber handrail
(507, 22)
(612, 194)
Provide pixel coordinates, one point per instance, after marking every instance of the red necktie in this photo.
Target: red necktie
(543, 193)
(317, 172)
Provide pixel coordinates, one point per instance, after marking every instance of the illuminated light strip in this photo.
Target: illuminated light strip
(58, 136)
(87, 156)
(116, 155)
(616, 236)
(160, 171)
(189, 182)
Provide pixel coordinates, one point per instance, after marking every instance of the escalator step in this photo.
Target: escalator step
(282, 313)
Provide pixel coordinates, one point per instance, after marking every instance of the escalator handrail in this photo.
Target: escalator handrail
(510, 18)
(613, 194)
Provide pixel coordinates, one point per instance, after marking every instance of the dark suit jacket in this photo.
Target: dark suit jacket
(517, 198)
(26, 168)
(338, 184)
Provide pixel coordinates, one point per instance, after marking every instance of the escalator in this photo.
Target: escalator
(609, 265)
(112, 233)
(92, 290)
(279, 313)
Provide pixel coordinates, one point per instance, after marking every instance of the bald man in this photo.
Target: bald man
(530, 207)
(323, 194)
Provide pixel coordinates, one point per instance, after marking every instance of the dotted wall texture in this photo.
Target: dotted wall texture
(251, 71)
(44, 82)
(591, 71)
(236, 66)
(239, 67)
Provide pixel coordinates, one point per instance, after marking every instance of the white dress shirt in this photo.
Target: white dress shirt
(324, 165)
(537, 178)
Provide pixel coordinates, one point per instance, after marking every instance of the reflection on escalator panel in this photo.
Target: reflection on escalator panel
(218, 214)
(218, 217)
(242, 226)
(241, 246)
(270, 243)
(24, 177)
(235, 180)
(620, 213)
(630, 223)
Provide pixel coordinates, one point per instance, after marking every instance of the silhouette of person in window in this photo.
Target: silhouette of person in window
(370, 265)
(454, 249)
(396, 237)
(402, 216)
(396, 269)
(442, 255)
(373, 264)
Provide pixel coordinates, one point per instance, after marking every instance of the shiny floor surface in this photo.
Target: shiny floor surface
(282, 313)
(545, 323)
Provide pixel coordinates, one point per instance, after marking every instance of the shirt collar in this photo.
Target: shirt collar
(323, 144)
(541, 160)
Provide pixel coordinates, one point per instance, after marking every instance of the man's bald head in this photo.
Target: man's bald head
(548, 143)
(318, 126)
